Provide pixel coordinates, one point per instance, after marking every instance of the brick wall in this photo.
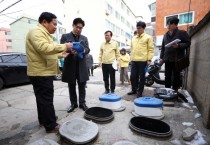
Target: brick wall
(198, 81)
(170, 7)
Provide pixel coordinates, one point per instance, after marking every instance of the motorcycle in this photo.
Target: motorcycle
(153, 77)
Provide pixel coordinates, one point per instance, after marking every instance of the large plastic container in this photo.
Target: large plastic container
(110, 101)
(148, 106)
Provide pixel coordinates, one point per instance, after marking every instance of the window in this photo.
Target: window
(122, 6)
(109, 9)
(30, 21)
(122, 19)
(8, 40)
(7, 33)
(0, 59)
(117, 15)
(122, 44)
(9, 47)
(61, 30)
(24, 58)
(117, 30)
(118, 43)
(184, 18)
(107, 23)
(122, 32)
(128, 12)
(127, 24)
(153, 19)
(54, 39)
(11, 59)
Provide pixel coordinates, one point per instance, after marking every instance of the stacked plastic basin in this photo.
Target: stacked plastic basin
(148, 107)
(110, 101)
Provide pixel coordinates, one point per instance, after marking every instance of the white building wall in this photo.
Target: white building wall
(19, 30)
(21, 27)
(93, 12)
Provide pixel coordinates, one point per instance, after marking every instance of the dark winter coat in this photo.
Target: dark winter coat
(169, 54)
(69, 70)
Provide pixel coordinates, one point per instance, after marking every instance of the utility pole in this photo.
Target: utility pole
(10, 6)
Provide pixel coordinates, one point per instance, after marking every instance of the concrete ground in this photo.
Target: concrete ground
(19, 125)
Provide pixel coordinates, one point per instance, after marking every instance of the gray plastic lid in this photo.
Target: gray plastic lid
(79, 131)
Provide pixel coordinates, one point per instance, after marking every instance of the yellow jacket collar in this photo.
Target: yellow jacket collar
(141, 35)
(43, 28)
(110, 41)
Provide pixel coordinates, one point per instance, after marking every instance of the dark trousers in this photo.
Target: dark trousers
(73, 94)
(172, 77)
(44, 92)
(108, 71)
(138, 71)
(81, 88)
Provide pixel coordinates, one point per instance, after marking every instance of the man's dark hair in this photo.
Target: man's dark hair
(123, 49)
(141, 24)
(108, 32)
(173, 20)
(46, 16)
(78, 21)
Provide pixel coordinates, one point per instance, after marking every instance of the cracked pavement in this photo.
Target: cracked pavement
(19, 125)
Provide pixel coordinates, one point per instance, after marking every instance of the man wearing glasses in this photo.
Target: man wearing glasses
(75, 68)
(142, 51)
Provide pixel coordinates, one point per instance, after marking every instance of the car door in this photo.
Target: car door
(24, 68)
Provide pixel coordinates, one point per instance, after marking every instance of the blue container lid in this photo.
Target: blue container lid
(110, 98)
(148, 102)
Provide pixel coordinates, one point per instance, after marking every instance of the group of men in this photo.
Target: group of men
(43, 53)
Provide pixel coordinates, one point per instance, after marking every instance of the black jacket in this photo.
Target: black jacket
(71, 62)
(169, 54)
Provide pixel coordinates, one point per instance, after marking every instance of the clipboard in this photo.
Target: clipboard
(172, 42)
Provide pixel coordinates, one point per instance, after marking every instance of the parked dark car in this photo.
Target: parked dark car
(13, 69)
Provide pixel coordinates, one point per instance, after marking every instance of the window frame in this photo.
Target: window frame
(11, 55)
(193, 17)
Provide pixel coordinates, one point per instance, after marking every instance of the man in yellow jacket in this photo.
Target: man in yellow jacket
(142, 51)
(42, 58)
(109, 52)
(124, 60)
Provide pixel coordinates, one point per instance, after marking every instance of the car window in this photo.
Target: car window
(11, 59)
(24, 58)
(0, 59)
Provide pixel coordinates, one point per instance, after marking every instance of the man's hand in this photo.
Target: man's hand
(161, 62)
(74, 52)
(175, 45)
(69, 46)
(65, 54)
(148, 62)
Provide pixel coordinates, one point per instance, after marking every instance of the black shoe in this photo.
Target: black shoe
(139, 95)
(42, 124)
(112, 91)
(72, 107)
(106, 92)
(131, 93)
(83, 107)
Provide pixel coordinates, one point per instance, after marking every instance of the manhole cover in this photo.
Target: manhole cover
(79, 131)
